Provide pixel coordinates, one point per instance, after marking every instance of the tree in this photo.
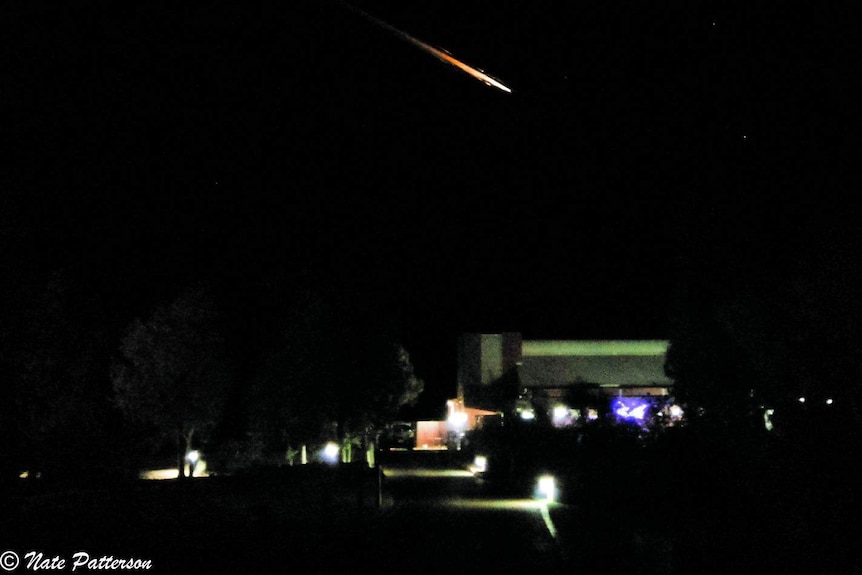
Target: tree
(331, 372)
(746, 341)
(291, 393)
(54, 364)
(385, 382)
(170, 373)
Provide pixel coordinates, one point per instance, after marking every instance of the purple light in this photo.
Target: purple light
(631, 408)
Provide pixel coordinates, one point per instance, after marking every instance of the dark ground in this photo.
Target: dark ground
(264, 522)
(681, 507)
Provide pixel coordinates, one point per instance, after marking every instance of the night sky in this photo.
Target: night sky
(261, 149)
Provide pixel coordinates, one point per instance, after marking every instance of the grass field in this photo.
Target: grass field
(291, 515)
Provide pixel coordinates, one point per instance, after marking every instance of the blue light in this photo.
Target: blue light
(631, 408)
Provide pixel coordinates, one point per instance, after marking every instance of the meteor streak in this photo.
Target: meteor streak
(437, 53)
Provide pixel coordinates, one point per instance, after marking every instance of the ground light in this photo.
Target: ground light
(195, 465)
(480, 464)
(330, 452)
(546, 487)
(508, 504)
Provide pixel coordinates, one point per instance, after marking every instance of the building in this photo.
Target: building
(563, 382)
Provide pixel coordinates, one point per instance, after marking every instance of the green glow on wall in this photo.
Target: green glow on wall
(593, 348)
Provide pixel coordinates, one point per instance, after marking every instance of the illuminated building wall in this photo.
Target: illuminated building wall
(484, 358)
(491, 358)
(608, 364)
(498, 371)
(431, 434)
(487, 370)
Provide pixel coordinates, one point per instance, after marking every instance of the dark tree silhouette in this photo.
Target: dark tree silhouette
(330, 374)
(750, 340)
(292, 392)
(171, 373)
(383, 381)
(55, 380)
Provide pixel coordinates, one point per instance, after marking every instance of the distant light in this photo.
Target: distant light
(638, 412)
(480, 464)
(193, 456)
(676, 412)
(631, 408)
(528, 415)
(547, 487)
(592, 414)
(829, 401)
(172, 472)
(562, 416)
(331, 451)
(458, 418)
(801, 400)
(160, 474)
(767, 419)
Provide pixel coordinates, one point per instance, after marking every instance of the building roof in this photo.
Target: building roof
(591, 348)
(611, 363)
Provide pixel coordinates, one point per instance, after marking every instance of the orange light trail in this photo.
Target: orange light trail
(476, 73)
(437, 53)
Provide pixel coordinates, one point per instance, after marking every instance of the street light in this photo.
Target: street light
(458, 419)
(547, 488)
(330, 452)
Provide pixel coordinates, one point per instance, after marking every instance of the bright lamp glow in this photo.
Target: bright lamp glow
(458, 418)
(631, 408)
(193, 456)
(547, 487)
(480, 464)
(331, 451)
(829, 401)
(562, 416)
(801, 400)
(675, 412)
(528, 415)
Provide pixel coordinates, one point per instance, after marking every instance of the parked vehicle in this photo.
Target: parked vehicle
(401, 434)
